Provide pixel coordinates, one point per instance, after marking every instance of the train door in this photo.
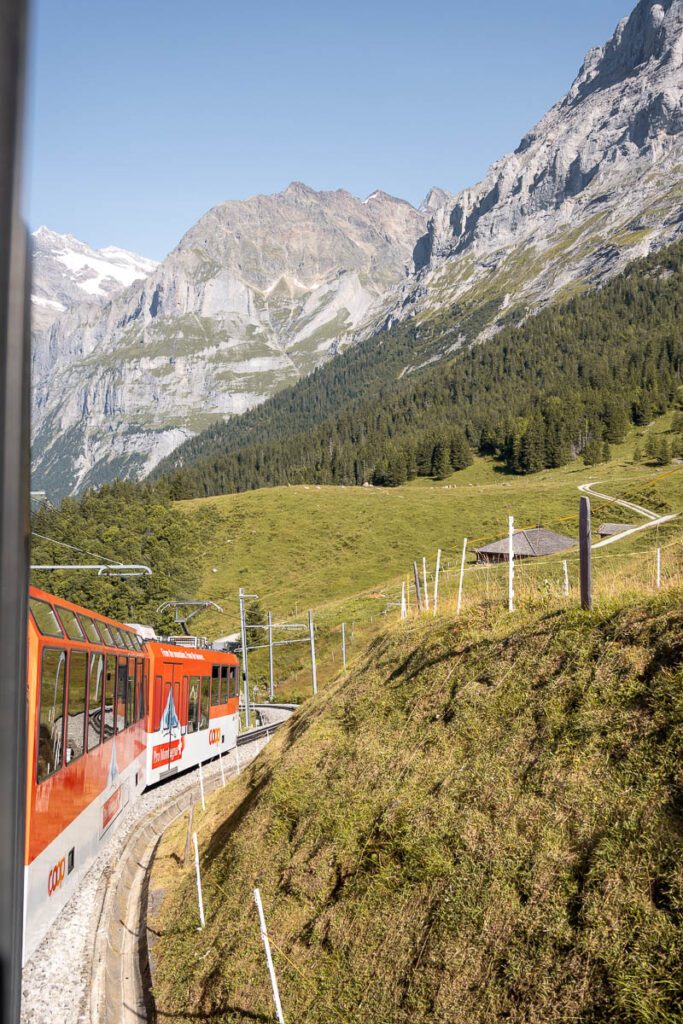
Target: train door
(170, 717)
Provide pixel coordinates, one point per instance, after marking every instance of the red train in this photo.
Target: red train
(108, 714)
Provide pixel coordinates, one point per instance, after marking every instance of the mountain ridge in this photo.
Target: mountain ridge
(261, 291)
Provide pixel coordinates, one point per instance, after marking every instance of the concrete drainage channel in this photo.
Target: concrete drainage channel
(120, 991)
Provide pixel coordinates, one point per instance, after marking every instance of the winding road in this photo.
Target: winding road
(652, 518)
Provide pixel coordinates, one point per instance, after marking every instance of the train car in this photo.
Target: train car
(194, 707)
(88, 683)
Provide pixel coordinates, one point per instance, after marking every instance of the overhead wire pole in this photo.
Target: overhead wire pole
(14, 504)
(271, 667)
(245, 660)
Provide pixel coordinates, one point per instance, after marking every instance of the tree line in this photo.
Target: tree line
(566, 383)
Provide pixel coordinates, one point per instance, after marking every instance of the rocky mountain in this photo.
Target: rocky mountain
(259, 292)
(67, 271)
(595, 184)
(255, 295)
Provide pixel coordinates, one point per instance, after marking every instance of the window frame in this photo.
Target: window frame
(50, 607)
(92, 708)
(64, 652)
(76, 652)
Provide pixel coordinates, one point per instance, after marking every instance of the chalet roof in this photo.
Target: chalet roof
(609, 529)
(530, 543)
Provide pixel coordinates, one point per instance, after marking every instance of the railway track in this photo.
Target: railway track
(91, 967)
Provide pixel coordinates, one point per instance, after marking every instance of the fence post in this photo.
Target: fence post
(271, 668)
(313, 667)
(659, 568)
(269, 959)
(418, 596)
(344, 645)
(188, 839)
(585, 553)
(200, 901)
(436, 579)
(566, 577)
(201, 785)
(511, 564)
(426, 588)
(462, 572)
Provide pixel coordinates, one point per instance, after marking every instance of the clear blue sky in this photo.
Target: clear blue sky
(145, 113)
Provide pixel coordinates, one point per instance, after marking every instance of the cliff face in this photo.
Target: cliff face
(256, 294)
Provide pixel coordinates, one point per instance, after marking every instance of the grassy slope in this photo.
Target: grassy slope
(475, 825)
(343, 551)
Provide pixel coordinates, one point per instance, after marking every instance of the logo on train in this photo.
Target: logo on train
(56, 876)
(214, 736)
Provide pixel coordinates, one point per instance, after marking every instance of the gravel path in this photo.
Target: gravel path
(55, 984)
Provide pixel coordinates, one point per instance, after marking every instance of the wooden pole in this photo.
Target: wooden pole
(426, 588)
(585, 553)
(271, 667)
(511, 564)
(462, 573)
(418, 596)
(314, 673)
(269, 958)
(436, 579)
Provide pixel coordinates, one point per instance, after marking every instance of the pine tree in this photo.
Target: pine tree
(592, 453)
(461, 453)
(441, 461)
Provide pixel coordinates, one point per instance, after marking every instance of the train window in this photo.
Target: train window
(51, 721)
(75, 714)
(106, 635)
(95, 700)
(204, 703)
(109, 696)
(193, 705)
(234, 682)
(121, 692)
(136, 641)
(126, 639)
(115, 635)
(88, 627)
(70, 623)
(130, 694)
(45, 618)
(215, 685)
(140, 688)
(225, 671)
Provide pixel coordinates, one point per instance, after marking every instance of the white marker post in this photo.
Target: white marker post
(436, 579)
(462, 572)
(237, 758)
(659, 568)
(511, 564)
(269, 959)
(271, 666)
(404, 607)
(201, 785)
(314, 673)
(566, 577)
(220, 762)
(344, 645)
(199, 881)
(424, 580)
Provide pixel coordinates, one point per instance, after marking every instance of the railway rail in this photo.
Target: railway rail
(91, 967)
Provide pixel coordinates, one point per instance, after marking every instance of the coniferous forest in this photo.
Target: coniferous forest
(567, 382)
